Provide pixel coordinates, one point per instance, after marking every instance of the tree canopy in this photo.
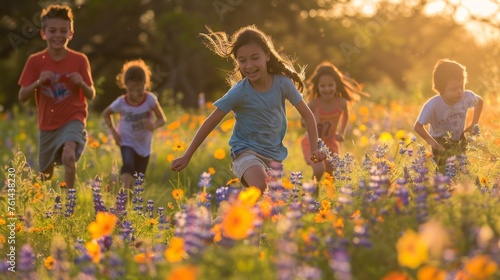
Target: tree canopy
(393, 42)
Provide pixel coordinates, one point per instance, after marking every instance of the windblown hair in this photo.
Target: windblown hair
(134, 70)
(447, 70)
(347, 88)
(226, 47)
(57, 11)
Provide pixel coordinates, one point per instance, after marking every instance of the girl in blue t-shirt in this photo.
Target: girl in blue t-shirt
(261, 82)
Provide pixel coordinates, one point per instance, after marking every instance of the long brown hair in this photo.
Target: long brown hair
(226, 47)
(347, 88)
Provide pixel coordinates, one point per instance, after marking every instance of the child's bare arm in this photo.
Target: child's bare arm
(208, 125)
(88, 91)
(420, 130)
(312, 130)
(478, 108)
(106, 114)
(160, 118)
(25, 93)
(340, 135)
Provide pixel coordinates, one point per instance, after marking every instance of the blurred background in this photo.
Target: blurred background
(389, 46)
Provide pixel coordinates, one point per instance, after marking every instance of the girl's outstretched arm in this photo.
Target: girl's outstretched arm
(312, 130)
(208, 125)
(340, 134)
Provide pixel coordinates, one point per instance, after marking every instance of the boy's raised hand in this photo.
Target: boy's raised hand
(76, 78)
(45, 76)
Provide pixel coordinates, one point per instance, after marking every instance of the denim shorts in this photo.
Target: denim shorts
(249, 158)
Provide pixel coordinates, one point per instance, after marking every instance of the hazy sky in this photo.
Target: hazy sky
(482, 8)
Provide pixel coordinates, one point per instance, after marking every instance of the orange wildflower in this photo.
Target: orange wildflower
(103, 225)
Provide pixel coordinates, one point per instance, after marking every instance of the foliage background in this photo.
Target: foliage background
(393, 46)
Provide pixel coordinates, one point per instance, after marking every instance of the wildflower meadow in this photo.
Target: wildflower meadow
(384, 213)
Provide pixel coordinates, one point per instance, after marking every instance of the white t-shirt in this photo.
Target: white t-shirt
(444, 118)
(131, 124)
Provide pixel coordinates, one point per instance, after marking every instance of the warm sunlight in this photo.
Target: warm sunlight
(466, 10)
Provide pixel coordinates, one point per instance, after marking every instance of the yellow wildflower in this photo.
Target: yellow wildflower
(412, 250)
(179, 146)
(178, 194)
(249, 196)
(219, 154)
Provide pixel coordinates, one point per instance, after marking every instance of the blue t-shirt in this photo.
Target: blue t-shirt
(261, 122)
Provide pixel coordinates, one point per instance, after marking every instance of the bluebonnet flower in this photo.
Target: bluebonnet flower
(367, 162)
(339, 262)
(462, 162)
(296, 178)
(137, 199)
(345, 196)
(205, 179)
(402, 193)
(204, 199)
(162, 219)
(127, 231)
(116, 267)
(450, 168)
(150, 207)
(361, 234)
(308, 272)
(4, 266)
(193, 225)
(96, 191)
(221, 194)
(420, 207)
(26, 265)
(57, 205)
(378, 184)
(381, 151)
(120, 209)
(71, 202)
(83, 257)
(440, 185)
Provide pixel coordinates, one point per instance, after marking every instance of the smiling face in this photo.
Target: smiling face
(57, 33)
(453, 91)
(252, 62)
(135, 91)
(327, 87)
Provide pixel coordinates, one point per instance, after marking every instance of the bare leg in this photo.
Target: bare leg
(69, 163)
(255, 176)
(318, 170)
(128, 181)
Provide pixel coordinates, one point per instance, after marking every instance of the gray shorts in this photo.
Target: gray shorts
(51, 143)
(249, 158)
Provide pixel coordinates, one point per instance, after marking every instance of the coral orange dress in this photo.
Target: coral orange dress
(327, 122)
